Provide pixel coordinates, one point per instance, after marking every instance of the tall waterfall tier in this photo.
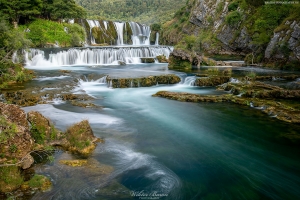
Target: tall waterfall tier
(94, 56)
(115, 33)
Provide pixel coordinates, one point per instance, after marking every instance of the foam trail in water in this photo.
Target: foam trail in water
(64, 118)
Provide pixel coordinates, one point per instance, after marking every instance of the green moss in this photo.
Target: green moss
(10, 178)
(7, 129)
(36, 181)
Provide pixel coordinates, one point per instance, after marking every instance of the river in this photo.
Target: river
(164, 149)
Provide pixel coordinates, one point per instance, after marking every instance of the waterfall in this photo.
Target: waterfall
(95, 56)
(190, 81)
(140, 34)
(119, 28)
(157, 38)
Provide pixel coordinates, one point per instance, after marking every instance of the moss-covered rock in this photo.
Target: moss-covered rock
(80, 138)
(184, 59)
(211, 80)
(143, 82)
(10, 179)
(162, 59)
(279, 110)
(147, 60)
(74, 163)
(37, 182)
(41, 128)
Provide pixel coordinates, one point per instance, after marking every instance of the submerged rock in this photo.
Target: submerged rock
(280, 111)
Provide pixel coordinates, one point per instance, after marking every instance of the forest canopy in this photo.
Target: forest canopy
(147, 12)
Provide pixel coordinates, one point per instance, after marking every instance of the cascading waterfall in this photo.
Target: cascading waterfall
(92, 24)
(157, 38)
(119, 28)
(140, 33)
(95, 56)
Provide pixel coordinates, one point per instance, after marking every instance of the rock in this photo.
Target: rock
(211, 80)
(183, 59)
(10, 179)
(162, 59)
(27, 161)
(121, 62)
(147, 60)
(80, 138)
(74, 163)
(41, 128)
(143, 82)
(16, 140)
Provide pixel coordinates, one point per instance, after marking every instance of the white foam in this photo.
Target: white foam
(67, 118)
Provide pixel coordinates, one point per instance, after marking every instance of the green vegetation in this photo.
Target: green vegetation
(245, 18)
(147, 12)
(45, 31)
(79, 135)
(36, 181)
(10, 178)
(7, 129)
(233, 18)
(38, 133)
(22, 11)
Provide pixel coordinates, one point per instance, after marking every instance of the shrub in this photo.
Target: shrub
(233, 6)
(233, 18)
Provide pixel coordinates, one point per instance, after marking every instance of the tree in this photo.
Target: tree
(66, 9)
(14, 9)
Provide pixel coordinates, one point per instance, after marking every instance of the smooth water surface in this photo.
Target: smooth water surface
(164, 149)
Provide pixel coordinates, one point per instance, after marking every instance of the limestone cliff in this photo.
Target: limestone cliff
(267, 34)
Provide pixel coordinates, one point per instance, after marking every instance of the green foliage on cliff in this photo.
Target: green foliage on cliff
(218, 28)
(233, 18)
(11, 40)
(150, 11)
(41, 32)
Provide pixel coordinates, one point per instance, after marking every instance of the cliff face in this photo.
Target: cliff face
(269, 33)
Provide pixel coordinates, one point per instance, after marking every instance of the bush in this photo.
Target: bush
(190, 41)
(233, 18)
(233, 6)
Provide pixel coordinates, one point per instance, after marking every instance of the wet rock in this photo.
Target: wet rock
(211, 80)
(41, 128)
(27, 161)
(37, 182)
(143, 82)
(147, 60)
(162, 59)
(278, 110)
(184, 59)
(80, 138)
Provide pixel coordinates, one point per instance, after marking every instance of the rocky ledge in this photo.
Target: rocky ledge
(142, 82)
(273, 100)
